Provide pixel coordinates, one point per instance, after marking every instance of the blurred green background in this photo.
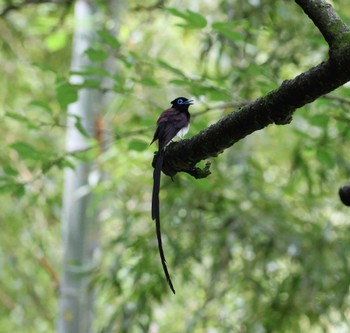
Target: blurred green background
(261, 245)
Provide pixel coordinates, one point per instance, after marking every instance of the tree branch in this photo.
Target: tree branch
(277, 106)
(341, 100)
(18, 6)
(322, 14)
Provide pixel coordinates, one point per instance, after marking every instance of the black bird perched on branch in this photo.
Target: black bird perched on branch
(172, 122)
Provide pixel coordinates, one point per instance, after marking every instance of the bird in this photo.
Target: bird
(172, 122)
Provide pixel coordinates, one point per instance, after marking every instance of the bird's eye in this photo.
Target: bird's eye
(180, 101)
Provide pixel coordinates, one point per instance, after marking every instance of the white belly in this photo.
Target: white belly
(183, 131)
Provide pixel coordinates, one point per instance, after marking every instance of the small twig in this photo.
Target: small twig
(134, 132)
(68, 4)
(51, 272)
(12, 7)
(36, 299)
(8, 9)
(221, 106)
(157, 5)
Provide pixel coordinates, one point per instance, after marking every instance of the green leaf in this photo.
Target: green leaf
(92, 70)
(16, 189)
(40, 104)
(170, 68)
(226, 29)
(56, 41)
(10, 171)
(91, 84)
(84, 155)
(79, 126)
(178, 82)
(109, 39)
(325, 158)
(22, 119)
(218, 94)
(17, 116)
(65, 163)
(45, 67)
(319, 120)
(26, 151)
(196, 20)
(138, 145)
(193, 20)
(127, 61)
(96, 55)
(148, 81)
(66, 93)
(318, 41)
(176, 12)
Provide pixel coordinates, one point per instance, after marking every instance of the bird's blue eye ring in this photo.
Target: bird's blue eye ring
(179, 101)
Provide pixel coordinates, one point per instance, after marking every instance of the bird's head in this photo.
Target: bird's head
(181, 103)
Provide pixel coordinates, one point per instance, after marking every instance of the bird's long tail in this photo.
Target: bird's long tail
(155, 213)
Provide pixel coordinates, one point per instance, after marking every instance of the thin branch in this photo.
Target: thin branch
(12, 6)
(36, 299)
(68, 5)
(8, 9)
(50, 271)
(133, 132)
(20, 5)
(339, 99)
(277, 107)
(157, 5)
(222, 106)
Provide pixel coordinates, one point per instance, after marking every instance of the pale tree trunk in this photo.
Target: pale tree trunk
(79, 217)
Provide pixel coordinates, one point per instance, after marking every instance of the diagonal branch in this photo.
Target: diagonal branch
(18, 6)
(277, 107)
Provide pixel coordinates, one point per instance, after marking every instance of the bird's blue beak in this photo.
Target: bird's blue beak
(190, 102)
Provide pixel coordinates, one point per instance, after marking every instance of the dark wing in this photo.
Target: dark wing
(170, 122)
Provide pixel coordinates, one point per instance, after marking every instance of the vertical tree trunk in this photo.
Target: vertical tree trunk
(79, 219)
